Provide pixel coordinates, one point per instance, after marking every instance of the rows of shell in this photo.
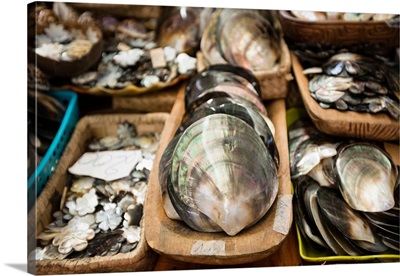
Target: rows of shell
(98, 217)
(350, 81)
(346, 193)
(219, 171)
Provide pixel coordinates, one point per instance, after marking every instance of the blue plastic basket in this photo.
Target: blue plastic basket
(47, 165)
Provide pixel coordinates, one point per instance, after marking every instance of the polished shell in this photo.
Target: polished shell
(222, 169)
(366, 176)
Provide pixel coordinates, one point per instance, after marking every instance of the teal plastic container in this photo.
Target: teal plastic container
(47, 165)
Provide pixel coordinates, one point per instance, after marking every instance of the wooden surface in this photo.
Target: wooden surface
(176, 240)
(286, 255)
(377, 127)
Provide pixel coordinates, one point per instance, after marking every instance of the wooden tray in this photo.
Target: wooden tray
(178, 241)
(338, 32)
(378, 127)
(273, 82)
(140, 259)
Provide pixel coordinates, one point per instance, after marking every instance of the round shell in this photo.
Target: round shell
(366, 176)
(222, 170)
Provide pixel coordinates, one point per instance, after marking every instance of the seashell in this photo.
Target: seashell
(314, 211)
(132, 234)
(217, 74)
(133, 215)
(336, 210)
(178, 27)
(247, 39)
(307, 152)
(82, 185)
(105, 242)
(212, 169)
(366, 176)
(128, 247)
(250, 116)
(302, 212)
(110, 217)
(186, 64)
(83, 205)
(148, 81)
(74, 236)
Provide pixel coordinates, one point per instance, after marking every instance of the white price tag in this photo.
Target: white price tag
(107, 165)
(282, 215)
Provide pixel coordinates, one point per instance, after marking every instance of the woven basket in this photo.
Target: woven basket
(158, 101)
(273, 82)
(338, 32)
(142, 258)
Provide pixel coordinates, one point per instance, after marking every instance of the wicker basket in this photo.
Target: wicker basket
(338, 32)
(158, 101)
(142, 258)
(273, 82)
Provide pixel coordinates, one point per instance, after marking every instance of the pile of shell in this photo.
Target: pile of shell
(219, 172)
(346, 197)
(97, 217)
(349, 81)
(135, 54)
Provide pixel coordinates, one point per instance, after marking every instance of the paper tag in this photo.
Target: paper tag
(209, 248)
(282, 215)
(107, 165)
(157, 58)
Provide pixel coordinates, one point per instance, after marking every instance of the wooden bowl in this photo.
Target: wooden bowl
(351, 124)
(68, 69)
(338, 32)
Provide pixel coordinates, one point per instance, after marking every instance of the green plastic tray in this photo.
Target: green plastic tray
(306, 250)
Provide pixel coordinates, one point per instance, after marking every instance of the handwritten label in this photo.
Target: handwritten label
(208, 248)
(107, 165)
(282, 215)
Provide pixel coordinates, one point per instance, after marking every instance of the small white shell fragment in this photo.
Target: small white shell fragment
(85, 78)
(132, 234)
(50, 50)
(57, 33)
(128, 58)
(169, 53)
(185, 63)
(148, 81)
(73, 236)
(110, 217)
(83, 205)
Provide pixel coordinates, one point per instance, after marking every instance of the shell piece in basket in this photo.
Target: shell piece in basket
(222, 170)
(367, 176)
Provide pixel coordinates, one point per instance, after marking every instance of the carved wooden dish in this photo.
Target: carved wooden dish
(338, 32)
(176, 240)
(378, 127)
